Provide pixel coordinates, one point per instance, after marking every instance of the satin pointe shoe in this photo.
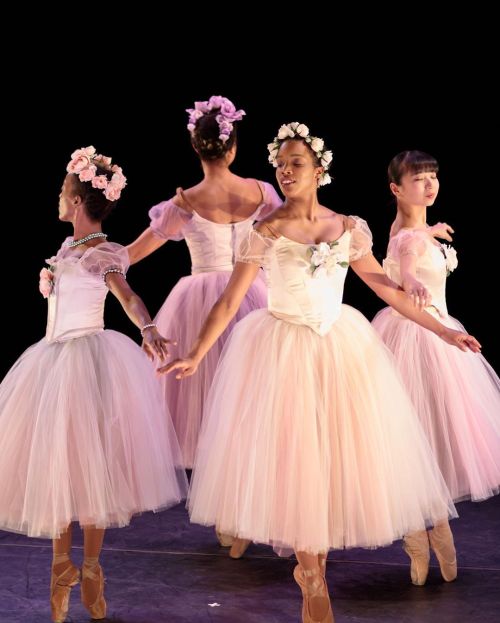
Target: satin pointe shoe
(60, 589)
(93, 590)
(416, 545)
(239, 547)
(316, 591)
(441, 539)
(225, 540)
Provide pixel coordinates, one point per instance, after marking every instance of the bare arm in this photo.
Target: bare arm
(415, 289)
(370, 271)
(144, 245)
(153, 342)
(217, 320)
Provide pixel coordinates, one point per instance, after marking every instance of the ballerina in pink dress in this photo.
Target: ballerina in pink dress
(213, 218)
(309, 440)
(83, 431)
(456, 394)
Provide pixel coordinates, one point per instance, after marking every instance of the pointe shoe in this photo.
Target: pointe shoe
(317, 589)
(93, 590)
(239, 547)
(225, 540)
(441, 539)
(60, 588)
(416, 545)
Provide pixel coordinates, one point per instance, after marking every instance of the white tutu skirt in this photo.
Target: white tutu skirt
(311, 442)
(181, 318)
(457, 397)
(84, 437)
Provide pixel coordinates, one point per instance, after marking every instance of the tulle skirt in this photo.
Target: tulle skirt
(457, 397)
(84, 437)
(181, 318)
(311, 442)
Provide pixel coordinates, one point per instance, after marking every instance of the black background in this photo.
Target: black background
(134, 112)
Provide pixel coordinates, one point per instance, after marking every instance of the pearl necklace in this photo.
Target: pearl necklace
(98, 234)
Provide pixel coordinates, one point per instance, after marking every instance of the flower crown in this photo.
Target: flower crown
(295, 129)
(82, 164)
(227, 114)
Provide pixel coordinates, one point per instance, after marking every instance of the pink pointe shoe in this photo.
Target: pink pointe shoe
(60, 589)
(315, 590)
(441, 539)
(416, 545)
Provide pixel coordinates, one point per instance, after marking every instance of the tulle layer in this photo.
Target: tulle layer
(181, 318)
(84, 437)
(457, 397)
(311, 442)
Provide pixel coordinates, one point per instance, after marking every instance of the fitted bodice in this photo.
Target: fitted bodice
(212, 246)
(76, 302)
(306, 282)
(433, 262)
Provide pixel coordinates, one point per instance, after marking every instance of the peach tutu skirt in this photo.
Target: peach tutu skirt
(457, 397)
(181, 318)
(84, 437)
(311, 442)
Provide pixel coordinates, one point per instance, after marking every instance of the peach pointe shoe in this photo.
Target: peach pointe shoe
(416, 545)
(318, 589)
(93, 590)
(225, 540)
(441, 540)
(60, 588)
(239, 547)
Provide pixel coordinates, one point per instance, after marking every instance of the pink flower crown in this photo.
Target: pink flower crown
(82, 165)
(226, 117)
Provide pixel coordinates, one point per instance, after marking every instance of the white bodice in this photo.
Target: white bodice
(212, 246)
(76, 303)
(306, 282)
(434, 260)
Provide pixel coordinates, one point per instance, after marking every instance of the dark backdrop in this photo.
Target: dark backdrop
(140, 122)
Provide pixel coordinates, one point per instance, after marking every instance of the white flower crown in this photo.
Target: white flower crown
(295, 129)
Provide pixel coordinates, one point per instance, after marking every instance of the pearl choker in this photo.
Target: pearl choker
(98, 234)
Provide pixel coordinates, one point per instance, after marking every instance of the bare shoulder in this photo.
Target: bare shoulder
(269, 226)
(185, 198)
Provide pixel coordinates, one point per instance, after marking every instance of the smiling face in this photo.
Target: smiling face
(296, 170)
(419, 189)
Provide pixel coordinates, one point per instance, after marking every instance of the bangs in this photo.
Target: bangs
(412, 162)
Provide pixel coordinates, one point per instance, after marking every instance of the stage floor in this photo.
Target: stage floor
(162, 569)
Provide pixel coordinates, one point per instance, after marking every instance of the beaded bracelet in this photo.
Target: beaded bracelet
(112, 270)
(147, 326)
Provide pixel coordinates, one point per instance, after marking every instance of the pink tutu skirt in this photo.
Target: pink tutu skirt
(181, 318)
(84, 437)
(457, 397)
(311, 442)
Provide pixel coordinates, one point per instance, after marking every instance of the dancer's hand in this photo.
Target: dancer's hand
(462, 340)
(441, 230)
(417, 293)
(154, 344)
(185, 367)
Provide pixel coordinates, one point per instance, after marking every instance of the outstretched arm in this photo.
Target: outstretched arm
(167, 222)
(153, 343)
(441, 230)
(144, 245)
(370, 271)
(414, 288)
(217, 320)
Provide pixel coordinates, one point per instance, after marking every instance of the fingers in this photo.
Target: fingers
(185, 369)
(420, 297)
(147, 349)
(157, 347)
(473, 344)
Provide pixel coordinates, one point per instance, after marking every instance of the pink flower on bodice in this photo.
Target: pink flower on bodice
(46, 283)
